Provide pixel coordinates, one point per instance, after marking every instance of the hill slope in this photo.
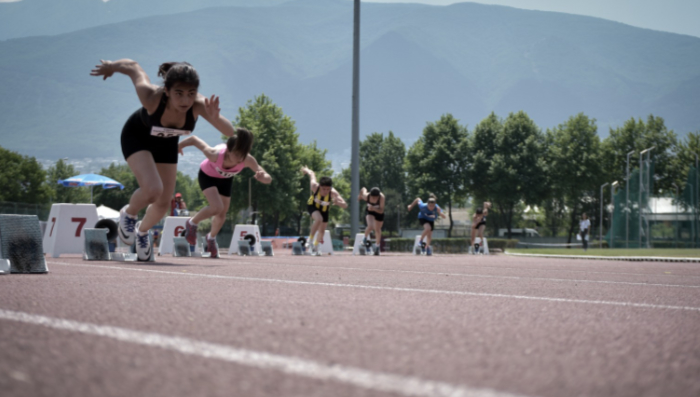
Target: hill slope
(418, 62)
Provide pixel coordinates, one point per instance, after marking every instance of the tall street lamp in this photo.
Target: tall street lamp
(641, 183)
(612, 213)
(627, 202)
(600, 232)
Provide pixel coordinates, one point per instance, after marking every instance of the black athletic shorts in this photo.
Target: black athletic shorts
(223, 185)
(377, 216)
(136, 136)
(424, 221)
(312, 208)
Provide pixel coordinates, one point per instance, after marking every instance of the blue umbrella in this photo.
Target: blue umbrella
(91, 180)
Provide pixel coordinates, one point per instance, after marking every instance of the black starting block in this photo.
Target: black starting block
(267, 248)
(96, 245)
(21, 246)
(245, 248)
(181, 247)
(297, 248)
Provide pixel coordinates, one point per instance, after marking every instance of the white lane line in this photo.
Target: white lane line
(398, 289)
(378, 381)
(479, 266)
(467, 275)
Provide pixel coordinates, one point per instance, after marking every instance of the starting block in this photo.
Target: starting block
(251, 235)
(478, 247)
(172, 228)
(245, 247)
(297, 248)
(181, 247)
(267, 248)
(65, 229)
(418, 246)
(327, 246)
(96, 245)
(363, 249)
(20, 245)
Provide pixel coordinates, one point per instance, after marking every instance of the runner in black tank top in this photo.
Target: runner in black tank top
(318, 206)
(149, 141)
(374, 214)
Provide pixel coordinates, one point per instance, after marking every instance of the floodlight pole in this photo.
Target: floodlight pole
(675, 229)
(693, 230)
(641, 183)
(627, 202)
(355, 165)
(612, 213)
(600, 231)
(697, 198)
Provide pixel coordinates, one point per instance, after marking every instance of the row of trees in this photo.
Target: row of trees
(509, 161)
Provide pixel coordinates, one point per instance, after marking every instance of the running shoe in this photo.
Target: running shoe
(127, 227)
(376, 251)
(212, 247)
(190, 232)
(144, 248)
(429, 251)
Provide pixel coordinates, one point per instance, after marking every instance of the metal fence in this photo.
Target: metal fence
(40, 210)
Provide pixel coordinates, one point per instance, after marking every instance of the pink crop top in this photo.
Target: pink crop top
(217, 170)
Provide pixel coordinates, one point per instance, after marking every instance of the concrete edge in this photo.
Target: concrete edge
(612, 258)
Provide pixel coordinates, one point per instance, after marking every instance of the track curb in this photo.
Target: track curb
(612, 258)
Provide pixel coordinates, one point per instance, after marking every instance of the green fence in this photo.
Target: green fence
(40, 210)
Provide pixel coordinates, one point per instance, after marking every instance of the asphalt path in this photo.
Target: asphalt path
(394, 325)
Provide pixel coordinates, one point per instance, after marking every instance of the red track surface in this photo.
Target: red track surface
(351, 326)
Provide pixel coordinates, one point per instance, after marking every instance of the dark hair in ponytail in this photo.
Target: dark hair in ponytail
(178, 72)
(241, 143)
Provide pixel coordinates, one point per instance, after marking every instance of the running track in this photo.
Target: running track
(395, 325)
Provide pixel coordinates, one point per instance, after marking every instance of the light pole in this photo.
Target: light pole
(627, 202)
(600, 232)
(641, 183)
(355, 172)
(693, 230)
(675, 229)
(696, 221)
(612, 213)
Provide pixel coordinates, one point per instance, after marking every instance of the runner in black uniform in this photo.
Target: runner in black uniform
(150, 137)
(374, 214)
(479, 224)
(319, 206)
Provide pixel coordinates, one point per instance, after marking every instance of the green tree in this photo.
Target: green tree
(116, 198)
(22, 178)
(276, 149)
(314, 158)
(686, 151)
(438, 162)
(64, 194)
(382, 165)
(508, 165)
(575, 167)
(636, 135)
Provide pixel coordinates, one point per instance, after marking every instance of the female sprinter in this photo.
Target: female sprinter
(374, 214)
(216, 174)
(427, 214)
(150, 138)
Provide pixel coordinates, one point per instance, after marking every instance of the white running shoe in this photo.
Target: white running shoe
(127, 227)
(144, 246)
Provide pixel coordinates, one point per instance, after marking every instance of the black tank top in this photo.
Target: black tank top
(153, 120)
(369, 202)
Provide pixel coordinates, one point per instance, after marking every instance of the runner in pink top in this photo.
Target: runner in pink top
(216, 174)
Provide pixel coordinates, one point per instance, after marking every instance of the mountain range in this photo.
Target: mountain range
(417, 63)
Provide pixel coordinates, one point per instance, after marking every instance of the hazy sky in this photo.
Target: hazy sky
(677, 16)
